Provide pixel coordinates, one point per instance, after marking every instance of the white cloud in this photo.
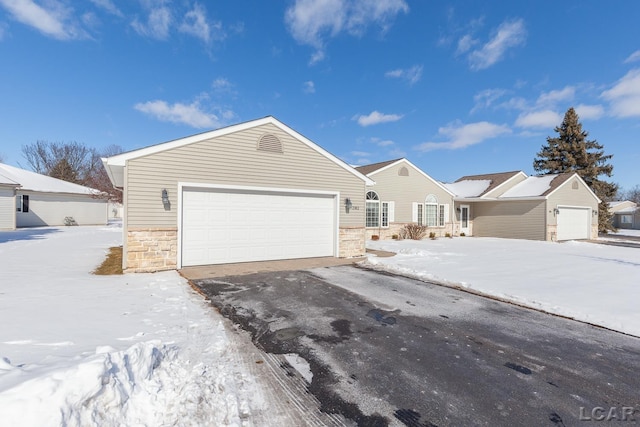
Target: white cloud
(157, 25)
(312, 22)
(109, 6)
(592, 112)
(509, 34)
(54, 19)
(309, 87)
(624, 96)
(360, 154)
(191, 115)
(539, 119)
(375, 118)
(553, 97)
(412, 74)
(465, 44)
(221, 83)
(461, 136)
(487, 98)
(634, 57)
(384, 143)
(195, 23)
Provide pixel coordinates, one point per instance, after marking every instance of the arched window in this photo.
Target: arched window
(372, 209)
(431, 210)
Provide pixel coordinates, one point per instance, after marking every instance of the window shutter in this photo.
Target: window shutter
(446, 213)
(414, 212)
(25, 203)
(392, 212)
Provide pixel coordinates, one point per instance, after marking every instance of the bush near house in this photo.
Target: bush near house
(414, 231)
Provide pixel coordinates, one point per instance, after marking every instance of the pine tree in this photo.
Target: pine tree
(571, 151)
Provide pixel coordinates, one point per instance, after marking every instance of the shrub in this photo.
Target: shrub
(462, 234)
(375, 237)
(447, 235)
(432, 235)
(394, 236)
(414, 231)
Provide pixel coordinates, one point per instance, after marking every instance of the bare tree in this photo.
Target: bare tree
(632, 194)
(98, 178)
(73, 162)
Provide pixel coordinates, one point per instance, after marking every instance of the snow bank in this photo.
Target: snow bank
(593, 283)
(84, 350)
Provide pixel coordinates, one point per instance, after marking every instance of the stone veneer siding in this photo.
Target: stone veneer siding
(352, 242)
(152, 249)
(156, 249)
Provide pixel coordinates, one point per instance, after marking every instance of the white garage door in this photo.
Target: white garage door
(574, 223)
(224, 226)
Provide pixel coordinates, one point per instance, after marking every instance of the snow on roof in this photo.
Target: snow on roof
(617, 202)
(7, 181)
(35, 182)
(531, 187)
(629, 210)
(469, 188)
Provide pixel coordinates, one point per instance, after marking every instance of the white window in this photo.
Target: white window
(626, 219)
(378, 214)
(372, 209)
(430, 213)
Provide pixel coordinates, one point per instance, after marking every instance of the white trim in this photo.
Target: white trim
(442, 187)
(120, 160)
(466, 230)
(186, 185)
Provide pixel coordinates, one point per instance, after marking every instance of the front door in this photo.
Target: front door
(464, 220)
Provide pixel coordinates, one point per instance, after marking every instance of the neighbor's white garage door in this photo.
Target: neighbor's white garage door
(574, 223)
(224, 226)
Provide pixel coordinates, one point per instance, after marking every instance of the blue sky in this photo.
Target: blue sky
(462, 87)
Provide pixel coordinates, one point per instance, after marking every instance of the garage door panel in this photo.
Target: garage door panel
(574, 223)
(246, 226)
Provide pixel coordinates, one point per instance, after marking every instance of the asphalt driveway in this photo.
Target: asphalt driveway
(432, 356)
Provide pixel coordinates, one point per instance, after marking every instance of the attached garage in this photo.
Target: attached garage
(574, 223)
(227, 225)
(255, 191)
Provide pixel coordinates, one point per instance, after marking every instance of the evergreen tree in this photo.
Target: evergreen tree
(571, 151)
(64, 171)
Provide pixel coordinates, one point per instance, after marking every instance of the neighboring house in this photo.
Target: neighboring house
(626, 214)
(39, 200)
(7, 203)
(404, 194)
(254, 191)
(513, 205)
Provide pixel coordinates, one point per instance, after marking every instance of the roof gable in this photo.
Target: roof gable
(115, 164)
(376, 167)
(562, 179)
(379, 167)
(31, 181)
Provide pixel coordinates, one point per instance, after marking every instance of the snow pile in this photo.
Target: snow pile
(84, 350)
(594, 283)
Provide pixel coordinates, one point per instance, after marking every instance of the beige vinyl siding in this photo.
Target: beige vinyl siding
(565, 195)
(404, 190)
(513, 219)
(233, 159)
(52, 208)
(7, 209)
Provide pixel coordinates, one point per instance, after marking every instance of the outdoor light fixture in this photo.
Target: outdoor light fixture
(556, 211)
(594, 212)
(165, 197)
(347, 204)
(458, 209)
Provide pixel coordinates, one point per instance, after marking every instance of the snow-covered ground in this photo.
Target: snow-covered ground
(627, 232)
(595, 283)
(138, 349)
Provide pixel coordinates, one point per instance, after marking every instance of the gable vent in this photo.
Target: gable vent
(403, 171)
(271, 143)
(574, 185)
